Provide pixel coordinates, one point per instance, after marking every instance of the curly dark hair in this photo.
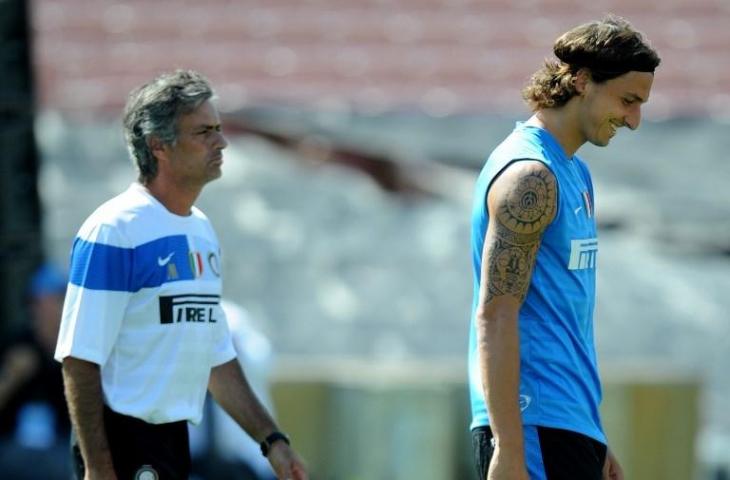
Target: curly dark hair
(608, 48)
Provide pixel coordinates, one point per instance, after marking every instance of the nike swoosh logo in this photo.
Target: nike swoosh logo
(577, 210)
(164, 261)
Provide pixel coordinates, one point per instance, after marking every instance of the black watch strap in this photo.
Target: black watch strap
(269, 441)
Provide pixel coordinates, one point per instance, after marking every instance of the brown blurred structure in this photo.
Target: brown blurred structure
(437, 56)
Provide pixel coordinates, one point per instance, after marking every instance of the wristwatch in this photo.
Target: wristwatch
(270, 440)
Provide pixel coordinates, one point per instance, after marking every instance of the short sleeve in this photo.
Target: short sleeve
(100, 286)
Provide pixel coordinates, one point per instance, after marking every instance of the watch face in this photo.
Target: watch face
(146, 472)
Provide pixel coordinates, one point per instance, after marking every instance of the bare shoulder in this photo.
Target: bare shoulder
(523, 200)
(522, 203)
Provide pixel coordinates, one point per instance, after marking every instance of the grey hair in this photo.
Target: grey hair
(153, 110)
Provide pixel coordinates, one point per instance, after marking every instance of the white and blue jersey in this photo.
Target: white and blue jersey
(143, 302)
(559, 382)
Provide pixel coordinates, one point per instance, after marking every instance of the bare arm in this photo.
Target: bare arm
(521, 203)
(82, 381)
(231, 390)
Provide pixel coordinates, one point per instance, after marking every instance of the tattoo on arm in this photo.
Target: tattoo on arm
(519, 218)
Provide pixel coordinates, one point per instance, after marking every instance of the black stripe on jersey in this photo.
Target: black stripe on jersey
(168, 304)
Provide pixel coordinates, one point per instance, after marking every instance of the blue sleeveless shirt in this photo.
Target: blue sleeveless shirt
(559, 382)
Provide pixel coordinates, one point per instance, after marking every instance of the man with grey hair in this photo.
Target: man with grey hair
(143, 334)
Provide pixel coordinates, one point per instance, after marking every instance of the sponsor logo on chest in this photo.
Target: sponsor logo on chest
(583, 253)
(195, 308)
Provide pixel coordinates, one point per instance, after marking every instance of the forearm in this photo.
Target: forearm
(82, 383)
(231, 390)
(499, 350)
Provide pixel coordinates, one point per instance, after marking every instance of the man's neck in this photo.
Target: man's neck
(562, 124)
(176, 199)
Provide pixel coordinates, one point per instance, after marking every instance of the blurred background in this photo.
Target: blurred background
(356, 130)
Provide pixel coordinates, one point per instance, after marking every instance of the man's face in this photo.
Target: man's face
(196, 157)
(613, 104)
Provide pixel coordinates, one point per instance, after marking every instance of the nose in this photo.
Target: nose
(220, 141)
(633, 118)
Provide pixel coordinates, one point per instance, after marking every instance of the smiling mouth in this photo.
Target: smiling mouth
(612, 130)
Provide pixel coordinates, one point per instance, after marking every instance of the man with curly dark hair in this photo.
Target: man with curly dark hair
(535, 388)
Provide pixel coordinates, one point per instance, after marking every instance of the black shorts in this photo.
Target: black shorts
(550, 454)
(142, 450)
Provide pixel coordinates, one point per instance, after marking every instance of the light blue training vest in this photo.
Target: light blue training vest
(559, 382)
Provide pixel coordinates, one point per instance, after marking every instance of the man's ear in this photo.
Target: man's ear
(581, 80)
(156, 146)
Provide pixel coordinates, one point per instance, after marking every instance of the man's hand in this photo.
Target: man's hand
(611, 469)
(286, 463)
(507, 467)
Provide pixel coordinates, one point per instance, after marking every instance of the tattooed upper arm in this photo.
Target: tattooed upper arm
(522, 203)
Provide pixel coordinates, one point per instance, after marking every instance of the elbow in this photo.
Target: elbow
(482, 317)
(490, 315)
(494, 321)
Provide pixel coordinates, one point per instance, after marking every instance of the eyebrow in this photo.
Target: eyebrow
(203, 127)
